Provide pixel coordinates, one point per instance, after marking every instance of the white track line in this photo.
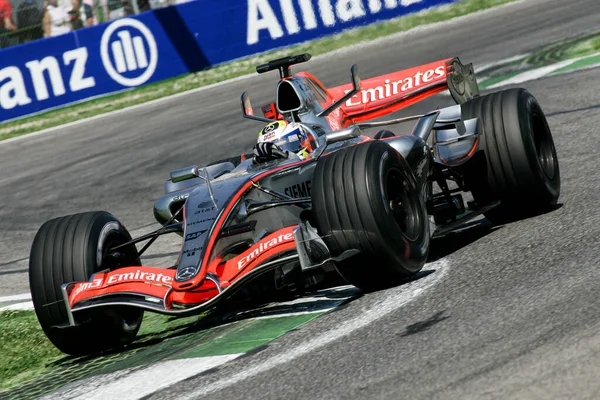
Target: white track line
(16, 297)
(135, 383)
(394, 37)
(27, 306)
(395, 299)
(538, 72)
(294, 314)
(482, 68)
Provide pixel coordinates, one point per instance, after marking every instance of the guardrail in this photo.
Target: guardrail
(169, 42)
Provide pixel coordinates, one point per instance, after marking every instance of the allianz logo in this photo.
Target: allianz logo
(313, 13)
(136, 53)
(128, 52)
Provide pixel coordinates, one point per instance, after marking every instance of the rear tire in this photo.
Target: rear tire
(366, 197)
(70, 249)
(518, 164)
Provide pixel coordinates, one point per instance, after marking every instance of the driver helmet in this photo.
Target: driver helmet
(289, 136)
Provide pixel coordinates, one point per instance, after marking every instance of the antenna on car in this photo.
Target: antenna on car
(355, 89)
(283, 64)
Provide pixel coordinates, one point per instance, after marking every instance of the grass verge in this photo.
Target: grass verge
(27, 353)
(585, 46)
(235, 69)
(24, 348)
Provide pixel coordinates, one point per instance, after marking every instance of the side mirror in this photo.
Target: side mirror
(184, 174)
(246, 104)
(248, 112)
(355, 89)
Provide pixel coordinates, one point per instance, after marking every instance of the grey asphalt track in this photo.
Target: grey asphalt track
(515, 317)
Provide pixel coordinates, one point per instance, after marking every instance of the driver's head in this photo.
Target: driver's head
(288, 136)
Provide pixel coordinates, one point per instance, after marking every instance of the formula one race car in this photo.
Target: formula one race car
(346, 205)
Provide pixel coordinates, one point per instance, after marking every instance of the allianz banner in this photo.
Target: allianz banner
(168, 42)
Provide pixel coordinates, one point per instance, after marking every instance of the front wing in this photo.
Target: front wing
(151, 288)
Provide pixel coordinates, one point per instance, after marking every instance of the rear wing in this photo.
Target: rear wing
(388, 93)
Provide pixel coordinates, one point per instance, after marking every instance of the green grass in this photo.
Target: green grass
(587, 45)
(235, 69)
(26, 353)
(33, 368)
(24, 348)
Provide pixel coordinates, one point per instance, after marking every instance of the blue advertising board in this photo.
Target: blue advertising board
(169, 42)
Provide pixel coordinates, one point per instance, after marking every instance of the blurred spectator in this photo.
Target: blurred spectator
(6, 24)
(22, 21)
(113, 9)
(56, 19)
(130, 6)
(88, 15)
(29, 15)
(81, 15)
(75, 16)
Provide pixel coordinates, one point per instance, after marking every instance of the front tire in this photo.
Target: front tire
(366, 197)
(71, 249)
(518, 164)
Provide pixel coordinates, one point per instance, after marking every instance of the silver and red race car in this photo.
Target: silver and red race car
(356, 209)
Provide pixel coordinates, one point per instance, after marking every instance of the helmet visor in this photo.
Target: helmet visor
(291, 142)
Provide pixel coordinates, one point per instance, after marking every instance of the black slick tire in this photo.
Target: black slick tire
(68, 249)
(518, 163)
(366, 198)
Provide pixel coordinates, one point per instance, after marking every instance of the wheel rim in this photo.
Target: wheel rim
(402, 202)
(110, 238)
(108, 262)
(544, 147)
